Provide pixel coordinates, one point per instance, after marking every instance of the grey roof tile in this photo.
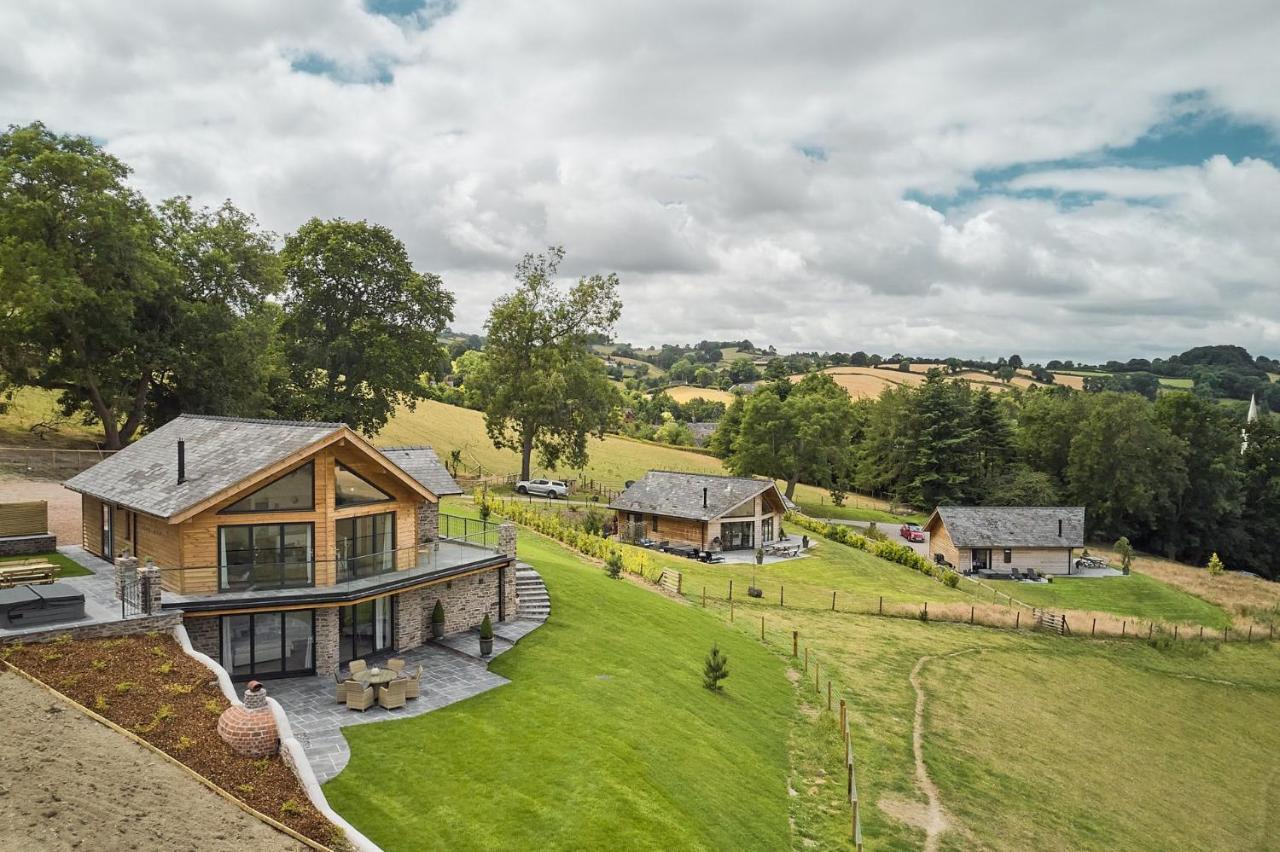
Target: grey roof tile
(679, 495)
(422, 463)
(1013, 526)
(220, 452)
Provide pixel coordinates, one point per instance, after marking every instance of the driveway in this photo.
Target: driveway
(921, 547)
(64, 505)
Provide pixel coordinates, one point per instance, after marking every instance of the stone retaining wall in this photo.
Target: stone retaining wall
(142, 624)
(25, 545)
(467, 599)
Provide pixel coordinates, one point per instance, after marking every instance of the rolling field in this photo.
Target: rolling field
(1136, 595)
(613, 460)
(684, 393)
(1083, 744)
(33, 406)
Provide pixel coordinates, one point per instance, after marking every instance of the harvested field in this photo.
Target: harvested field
(147, 685)
(684, 393)
(67, 782)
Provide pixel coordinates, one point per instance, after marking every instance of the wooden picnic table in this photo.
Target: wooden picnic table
(14, 573)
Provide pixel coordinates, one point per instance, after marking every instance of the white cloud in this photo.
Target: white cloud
(663, 141)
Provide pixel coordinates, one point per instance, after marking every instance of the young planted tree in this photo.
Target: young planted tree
(1125, 551)
(361, 327)
(715, 669)
(1215, 566)
(541, 385)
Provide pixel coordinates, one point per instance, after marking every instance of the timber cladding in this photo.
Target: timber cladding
(30, 518)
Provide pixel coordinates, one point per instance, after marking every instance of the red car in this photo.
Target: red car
(912, 532)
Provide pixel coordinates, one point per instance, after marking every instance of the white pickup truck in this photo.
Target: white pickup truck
(551, 488)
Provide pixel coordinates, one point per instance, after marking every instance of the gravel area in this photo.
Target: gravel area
(64, 505)
(67, 782)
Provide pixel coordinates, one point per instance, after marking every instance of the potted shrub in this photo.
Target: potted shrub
(437, 620)
(486, 636)
(759, 555)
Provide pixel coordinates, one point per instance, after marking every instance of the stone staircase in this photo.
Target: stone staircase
(531, 593)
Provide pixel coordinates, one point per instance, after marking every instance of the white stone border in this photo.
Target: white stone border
(290, 749)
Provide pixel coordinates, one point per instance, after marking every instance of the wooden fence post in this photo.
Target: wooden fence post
(1175, 633)
(828, 695)
(926, 610)
(704, 597)
(844, 721)
(730, 590)
(1250, 639)
(1201, 631)
(833, 601)
(762, 628)
(971, 614)
(881, 610)
(781, 594)
(816, 681)
(1124, 626)
(1017, 618)
(795, 641)
(1151, 626)
(731, 610)
(1094, 629)
(806, 659)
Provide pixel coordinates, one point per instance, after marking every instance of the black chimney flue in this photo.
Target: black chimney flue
(182, 460)
(1059, 527)
(704, 498)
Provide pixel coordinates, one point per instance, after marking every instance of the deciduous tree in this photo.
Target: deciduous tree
(542, 387)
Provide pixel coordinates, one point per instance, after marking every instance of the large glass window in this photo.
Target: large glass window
(293, 492)
(364, 629)
(352, 489)
(738, 535)
(267, 644)
(265, 556)
(366, 545)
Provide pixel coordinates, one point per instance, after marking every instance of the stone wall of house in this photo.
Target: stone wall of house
(23, 545)
(326, 650)
(143, 624)
(428, 522)
(205, 635)
(409, 632)
(467, 599)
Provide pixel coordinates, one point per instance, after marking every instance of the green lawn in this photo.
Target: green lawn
(1137, 595)
(1107, 746)
(66, 567)
(1184, 384)
(605, 737)
(21, 418)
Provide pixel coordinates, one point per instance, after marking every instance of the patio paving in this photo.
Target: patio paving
(101, 606)
(452, 670)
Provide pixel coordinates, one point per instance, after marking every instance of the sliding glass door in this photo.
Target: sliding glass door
(738, 535)
(365, 629)
(265, 556)
(366, 546)
(268, 644)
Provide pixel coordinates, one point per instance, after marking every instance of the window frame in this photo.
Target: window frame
(339, 466)
(1008, 556)
(310, 507)
(229, 665)
(280, 547)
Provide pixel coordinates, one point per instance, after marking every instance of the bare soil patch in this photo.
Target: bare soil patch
(147, 685)
(67, 782)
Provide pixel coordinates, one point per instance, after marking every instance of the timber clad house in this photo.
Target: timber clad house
(1002, 539)
(293, 548)
(705, 511)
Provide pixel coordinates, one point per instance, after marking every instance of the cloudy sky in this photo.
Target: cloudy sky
(1060, 180)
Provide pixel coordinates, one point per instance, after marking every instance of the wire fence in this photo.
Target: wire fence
(49, 462)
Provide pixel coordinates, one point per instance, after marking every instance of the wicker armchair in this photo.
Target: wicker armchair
(357, 666)
(396, 664)
(391, 696)
(340, 687)
(359, 697)
(413, 683)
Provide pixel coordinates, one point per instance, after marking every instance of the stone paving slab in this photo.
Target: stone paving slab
(448, 676)
(101, 606)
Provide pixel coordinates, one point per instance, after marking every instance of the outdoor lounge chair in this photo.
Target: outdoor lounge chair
(392, 695)
(396, 664)
(1032, 575)
(413, 683)
(356, 666)
(360, 698)
(340, 687)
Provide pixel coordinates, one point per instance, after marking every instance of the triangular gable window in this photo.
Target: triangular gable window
(293, 492)
(352, 489)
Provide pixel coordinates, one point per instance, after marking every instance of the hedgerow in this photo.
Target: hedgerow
(888, 550)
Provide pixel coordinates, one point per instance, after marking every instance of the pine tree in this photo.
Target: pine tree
(943, 468)
(715, 669)
(1215, 566)
(993, 441)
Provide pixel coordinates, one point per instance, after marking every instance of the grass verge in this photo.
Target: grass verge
(67, 567)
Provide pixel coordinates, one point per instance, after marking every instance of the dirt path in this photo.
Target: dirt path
(67, 782)
(932, 817)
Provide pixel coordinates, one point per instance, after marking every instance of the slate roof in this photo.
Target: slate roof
(220, 452)
(1012, 526)
(679, 495)
(702, 431)
(422, 463)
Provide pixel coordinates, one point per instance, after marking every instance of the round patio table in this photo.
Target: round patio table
(375, 677)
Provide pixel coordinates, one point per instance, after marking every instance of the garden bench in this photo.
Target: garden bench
(15, 573)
